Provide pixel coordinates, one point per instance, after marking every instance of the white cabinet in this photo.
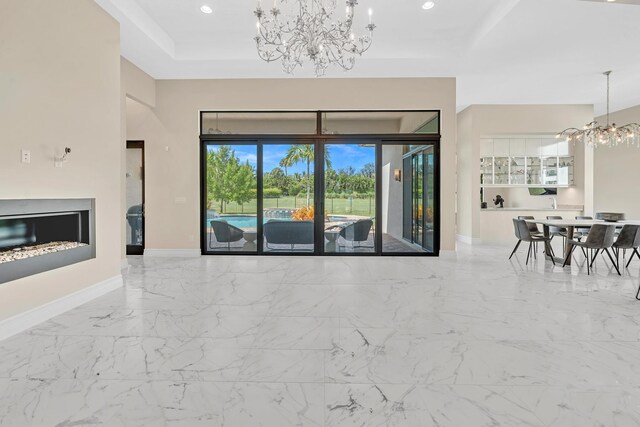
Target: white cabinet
(563, 148)
(549, 147)
(532, 147)
(486, 147)
(501, 148)
(517, 147)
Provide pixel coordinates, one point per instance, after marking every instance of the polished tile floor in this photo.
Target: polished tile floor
(466, 340)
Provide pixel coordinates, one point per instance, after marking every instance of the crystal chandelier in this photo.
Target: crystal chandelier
(610, 135)
(311, 32)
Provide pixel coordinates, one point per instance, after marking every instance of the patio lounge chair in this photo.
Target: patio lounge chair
(225, 232)
(357, 231)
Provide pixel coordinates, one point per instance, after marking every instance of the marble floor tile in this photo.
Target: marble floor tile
(465, 339)
(297, 333)
(281, 366)
(415, 405)
(61, 402)
(275, 404)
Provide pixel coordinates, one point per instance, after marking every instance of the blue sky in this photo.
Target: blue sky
(342, 156)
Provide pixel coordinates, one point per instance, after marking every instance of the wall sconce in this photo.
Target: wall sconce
(397, 175)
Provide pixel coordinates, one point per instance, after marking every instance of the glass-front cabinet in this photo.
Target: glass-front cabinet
(533, 171)
(527, 171)
(525, 161)
(501, 170)
(486, 171)
(517, 170)
(550, 171)
(565, 170)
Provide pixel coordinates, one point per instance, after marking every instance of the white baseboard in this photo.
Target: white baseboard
(35, 316)
(124, 264)
(448, 254)
(467, 240)
(177, 253)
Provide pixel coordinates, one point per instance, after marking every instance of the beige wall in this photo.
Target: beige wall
(616, 171)
(479, 121)
(59, 86)
(170, 131)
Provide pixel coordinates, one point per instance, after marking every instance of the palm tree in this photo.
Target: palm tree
(304, 153)
(283, 164)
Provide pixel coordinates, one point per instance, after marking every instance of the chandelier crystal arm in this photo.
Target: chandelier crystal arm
(610, 135)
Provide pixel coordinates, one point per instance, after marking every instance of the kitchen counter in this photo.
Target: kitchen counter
(533, 209)
(496, 227)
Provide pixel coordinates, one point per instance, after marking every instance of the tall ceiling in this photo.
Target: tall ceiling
(500, 51)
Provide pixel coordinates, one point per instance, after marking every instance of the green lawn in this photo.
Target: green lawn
(364, 207)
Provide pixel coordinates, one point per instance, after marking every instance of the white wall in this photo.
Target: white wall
(392, 191)
(616, 171)
(170, 131)
(60, 86)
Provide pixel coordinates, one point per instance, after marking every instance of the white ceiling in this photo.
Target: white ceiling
(501, 51)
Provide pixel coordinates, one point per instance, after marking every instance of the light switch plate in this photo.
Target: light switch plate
(25, 156)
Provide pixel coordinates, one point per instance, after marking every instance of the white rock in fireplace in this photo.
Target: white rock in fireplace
(36, 250)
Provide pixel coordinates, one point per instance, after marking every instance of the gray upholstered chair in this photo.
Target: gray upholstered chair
(225, 233)
(557, 231)
(523, 234)
(535, 231)
(580, 232)
(600, 238)
(357, 232)
(629, 238)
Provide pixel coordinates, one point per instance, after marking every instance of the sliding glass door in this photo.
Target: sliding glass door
(288, 195)
(319, 196)
(408, 197)
(349, 219)
(230, 197)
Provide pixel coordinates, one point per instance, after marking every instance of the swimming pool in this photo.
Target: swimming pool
(248, 221)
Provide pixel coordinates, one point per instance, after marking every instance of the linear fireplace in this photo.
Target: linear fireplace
(41, 235)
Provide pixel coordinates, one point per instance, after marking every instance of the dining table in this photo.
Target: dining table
(570, 225)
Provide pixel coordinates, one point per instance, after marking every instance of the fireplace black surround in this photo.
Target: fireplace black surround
(44, 234)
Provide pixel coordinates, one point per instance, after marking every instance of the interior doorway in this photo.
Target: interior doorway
(135, 197)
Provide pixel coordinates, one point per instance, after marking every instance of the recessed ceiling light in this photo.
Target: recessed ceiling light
(206, 9)
(428, 4)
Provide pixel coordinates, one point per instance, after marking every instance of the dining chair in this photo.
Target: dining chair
(523, 233)
(580, 232)
(557, 231)
(629, 238)
(600, 238)
(533, 228)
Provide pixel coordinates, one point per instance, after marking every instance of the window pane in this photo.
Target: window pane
(256, 123)
(288, 197)
(380, 122)
(231, 184)
(350, 201)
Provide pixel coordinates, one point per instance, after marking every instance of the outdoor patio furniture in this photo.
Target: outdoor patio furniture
(291, 233)
(225, 232)
(357, 232)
